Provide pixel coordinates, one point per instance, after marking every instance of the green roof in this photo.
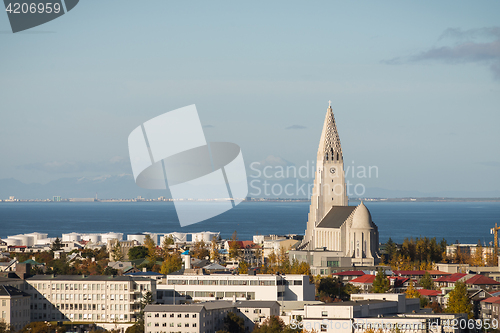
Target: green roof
(33, 262)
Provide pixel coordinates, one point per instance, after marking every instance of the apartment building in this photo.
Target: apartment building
(209, 287)
(14, 307)
(96, 298)
(205, 317)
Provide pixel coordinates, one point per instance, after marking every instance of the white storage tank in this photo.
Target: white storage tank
(111, 235)
(12, 241)
(94, 238)
(72, 237)
(205, 236)
(137, 237)
(26, 240)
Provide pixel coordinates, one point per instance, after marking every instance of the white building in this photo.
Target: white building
(95, 298)
(264, 287)
(207, 317)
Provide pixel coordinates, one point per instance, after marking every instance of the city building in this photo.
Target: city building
(208, 287)
(14, 306)
(95, 298)
(206, 317)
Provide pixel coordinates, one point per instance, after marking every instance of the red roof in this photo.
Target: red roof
(428, 292)
(398, 280)
(367, 278)
(246, 244)
(349, 273)
(409, 272)
(451, 278)
(495, 299)
(479, 279)
(436, 272)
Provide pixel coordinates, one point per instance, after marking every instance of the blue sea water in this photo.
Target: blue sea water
(466, 222)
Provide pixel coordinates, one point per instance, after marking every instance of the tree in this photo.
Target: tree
(272, 324)
(329, 287)
(234, 323)
(243, 267)
(477, 258)
(381, 283)
(350, 289)
(234, 247)
(150, 244)
(199, 250)
(411, 292)
(165, 245)
(4, 327)
(459, 301)
(137, 252)
(117, 253)
(390, 248)
(171, 263)
(214, 250)
(56, 245)
(426, 281)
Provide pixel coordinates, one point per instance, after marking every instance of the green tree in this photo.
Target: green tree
(381, 283)
(329, 287)
(234, 323)
(168, 241)
(4, 327)
(117, 253)
(459, 301)
(390, 248)
(137, 252)
(426, 281)
(350, 289)
(56, 245)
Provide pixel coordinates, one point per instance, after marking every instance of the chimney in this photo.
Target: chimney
(234, 299)
(33, 258)
(187, 261)
(93, 259)
(144, 269)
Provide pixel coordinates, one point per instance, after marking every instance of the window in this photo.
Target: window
(186, 315)
(179, 315)
(297, 282)
(179, 325)
(194, 315)
(171, 315)
(186, 325)
(324, 313)
(171, 324)
(332, 263)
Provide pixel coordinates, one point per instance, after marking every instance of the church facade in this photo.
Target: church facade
(344, 234)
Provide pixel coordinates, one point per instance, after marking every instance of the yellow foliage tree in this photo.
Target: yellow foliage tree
(411, 292)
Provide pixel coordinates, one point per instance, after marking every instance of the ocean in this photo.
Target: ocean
(466, 222)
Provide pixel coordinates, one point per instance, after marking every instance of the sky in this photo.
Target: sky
(415, 86)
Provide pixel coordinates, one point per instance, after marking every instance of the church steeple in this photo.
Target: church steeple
(329, 144)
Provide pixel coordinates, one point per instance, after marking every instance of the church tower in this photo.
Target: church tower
(329, 183)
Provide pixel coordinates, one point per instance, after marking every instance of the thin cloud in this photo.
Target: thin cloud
(491, 164)
(295, 127)
(116, 165)
(481, 46)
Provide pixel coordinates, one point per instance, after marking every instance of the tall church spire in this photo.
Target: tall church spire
(329, 144)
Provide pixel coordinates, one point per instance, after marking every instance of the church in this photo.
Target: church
(337, 235)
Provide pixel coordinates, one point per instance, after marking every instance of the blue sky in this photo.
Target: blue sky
(415, 86)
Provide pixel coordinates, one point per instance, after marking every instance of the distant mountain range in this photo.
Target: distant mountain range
(124, 187)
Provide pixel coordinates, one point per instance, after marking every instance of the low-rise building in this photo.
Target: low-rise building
(263, 287)
(95, 298)
(206, 317)
(14, 307)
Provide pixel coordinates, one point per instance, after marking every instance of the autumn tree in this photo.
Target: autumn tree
(199, 250)
(381, 283)
(459, 301)
(214, 250)
(234, 247)
(243, 267)
(137, 252)
(477, 258)
(411, 292)
(171, 263)
(150, 244)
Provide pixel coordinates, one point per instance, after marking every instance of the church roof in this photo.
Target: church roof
(362, 218)
(336, 217)
(329, 144)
